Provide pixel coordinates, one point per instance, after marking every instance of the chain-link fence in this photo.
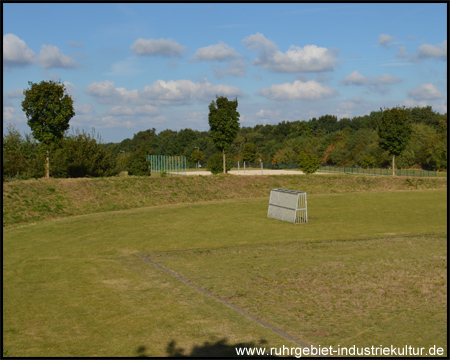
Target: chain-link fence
(326, 168)
(377, 171)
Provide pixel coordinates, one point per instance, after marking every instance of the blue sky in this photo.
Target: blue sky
(132, 67)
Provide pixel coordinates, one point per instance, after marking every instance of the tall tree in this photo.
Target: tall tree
(394, 131)
(48, 109)
(224, 123)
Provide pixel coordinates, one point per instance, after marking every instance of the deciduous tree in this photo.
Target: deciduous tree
(249, 152)
(48, 109)
(197, 156)
(224, 123)
(394, 131)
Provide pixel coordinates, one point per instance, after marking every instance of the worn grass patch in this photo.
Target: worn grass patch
(389, 291)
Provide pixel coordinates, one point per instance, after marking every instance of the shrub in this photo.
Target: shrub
(137, 163)
(80, 155)
(308, 163)
(215, 163)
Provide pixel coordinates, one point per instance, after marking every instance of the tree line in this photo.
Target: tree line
(344, 142)
(359, 141)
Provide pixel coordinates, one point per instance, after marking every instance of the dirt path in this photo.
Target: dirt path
(251, 172)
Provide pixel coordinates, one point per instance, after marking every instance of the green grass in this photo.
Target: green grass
(35, 200)
(369, 292)
(74, 286)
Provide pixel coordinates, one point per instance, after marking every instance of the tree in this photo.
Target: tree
(308, 163)
(197, 156)
(249, 152)
(394, 131)
(224, 123)
(48, 110)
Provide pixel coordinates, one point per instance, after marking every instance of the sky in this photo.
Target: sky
(133, 67)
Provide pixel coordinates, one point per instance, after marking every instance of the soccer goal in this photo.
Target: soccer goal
(288, 205)
(171, 165)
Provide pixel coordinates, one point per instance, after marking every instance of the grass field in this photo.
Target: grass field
(369, 268)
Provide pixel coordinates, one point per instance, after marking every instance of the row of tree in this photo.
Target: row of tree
(345, 142)
(414, 138)
(79, 154)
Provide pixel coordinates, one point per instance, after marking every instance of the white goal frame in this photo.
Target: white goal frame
(288, 205)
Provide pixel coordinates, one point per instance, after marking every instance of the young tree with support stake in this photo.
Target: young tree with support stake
(394, 132)
(224, 123)
(48, 110)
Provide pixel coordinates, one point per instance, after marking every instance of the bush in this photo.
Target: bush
(80, 155)
(368, 161)
(215, 163)
(308, 163)
(137, 163)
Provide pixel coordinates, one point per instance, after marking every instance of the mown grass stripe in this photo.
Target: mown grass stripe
(243, 312)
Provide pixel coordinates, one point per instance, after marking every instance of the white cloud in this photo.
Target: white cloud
(127, 67)
(121, 110)
(16, 52)
(295, 59)
(172, 92)
(386, 79)
(11, 115)
(310, 90)
(104, 88)
(385, 40)
(51, 57)
(426, 92)
(402, 52)
(355, 78)
(8, 113)
(259, 42)
(426, 51)
(185, 91)
(194, 119)
(218, 52)
(268, 113)
(234, 68)
(374, 83)
(82, 109)
(14, 94)
(71, 89)
(154, 47)
(145, 110)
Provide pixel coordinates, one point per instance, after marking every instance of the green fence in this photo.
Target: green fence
(377, 171)
(171, 165)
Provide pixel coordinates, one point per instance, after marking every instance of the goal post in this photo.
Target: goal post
(288, 205)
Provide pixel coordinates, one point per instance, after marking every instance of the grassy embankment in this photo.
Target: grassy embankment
(33, 200)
